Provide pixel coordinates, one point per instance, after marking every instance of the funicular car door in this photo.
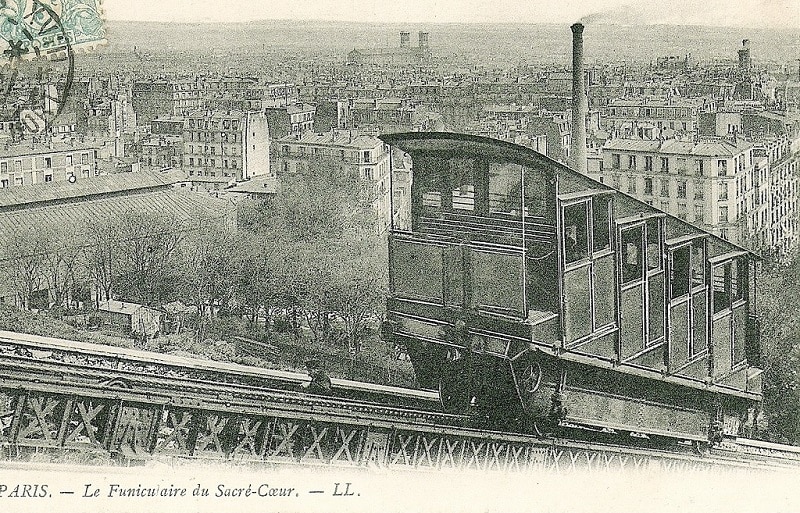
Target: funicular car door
(587, 265)
(688, 305)
(641, 282)
(729, 293)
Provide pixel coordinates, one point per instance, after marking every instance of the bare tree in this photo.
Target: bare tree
(100, 253)
(209, 259)
(146, 245)
(335, 263)
(26, 254)
(62, 262)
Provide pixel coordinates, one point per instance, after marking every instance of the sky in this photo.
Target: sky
(739, 13)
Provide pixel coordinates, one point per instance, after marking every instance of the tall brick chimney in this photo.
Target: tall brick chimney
(580, 104)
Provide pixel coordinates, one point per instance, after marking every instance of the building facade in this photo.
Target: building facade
(161, 151)
(152, 99)
(223, 147)
(778, 175)
(709, 183)
(293, 119)
(647, 118)
(362, 157)
(21, 165)
(557, 128)
(167, 125)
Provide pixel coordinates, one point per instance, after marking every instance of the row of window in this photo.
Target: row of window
(212, 150)
(658, 112)
(633, 162)
(211, 174)
(672, 125)
(303, 116)
(229, 137)
(48, 162)
(214, 124)
(366, 156)
(586, 234)
(225, 163)
(47, 178)
(620, 182)
(315, 150)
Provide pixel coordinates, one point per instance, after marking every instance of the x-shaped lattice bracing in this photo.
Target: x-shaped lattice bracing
(248, 429)
(87, 413)
(346, 437)
(37, 422)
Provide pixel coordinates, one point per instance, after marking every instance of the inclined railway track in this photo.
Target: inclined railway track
(58, 395)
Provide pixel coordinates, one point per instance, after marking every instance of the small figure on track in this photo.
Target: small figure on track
(320, 381)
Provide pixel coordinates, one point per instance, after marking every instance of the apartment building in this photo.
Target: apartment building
(363, 157)
(293, 119)
(557, 128)
(161, 151)
(167, 125)
(151, 99)
(778, 175)
(57, 162)
(707, 183)
(650, 118)
(223, 147)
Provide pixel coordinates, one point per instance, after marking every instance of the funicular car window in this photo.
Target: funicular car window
(505, 188)
(426, 186)
(601, 222)
(576, 232)
(679, 272)
(721, 282)
(738, 279)
(653, 244)
(698, 263)
(432, 199)
(462, 178)
(632, 265)
(538, 194)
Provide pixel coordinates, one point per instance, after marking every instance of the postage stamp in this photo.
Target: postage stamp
(45, 27)
(39, 42)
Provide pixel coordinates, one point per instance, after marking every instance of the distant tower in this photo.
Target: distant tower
(423, 40)
(405, 39)
(744, 55)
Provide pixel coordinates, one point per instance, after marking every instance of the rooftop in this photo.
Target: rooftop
(13, 197)
(656, 102)
(75, 218)
(300, 108)
(122, 307)
(706, 148)
(257, 185)
(169, 118)
(215, 114)
(341, 138)
(386, 51)
(25, 148)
